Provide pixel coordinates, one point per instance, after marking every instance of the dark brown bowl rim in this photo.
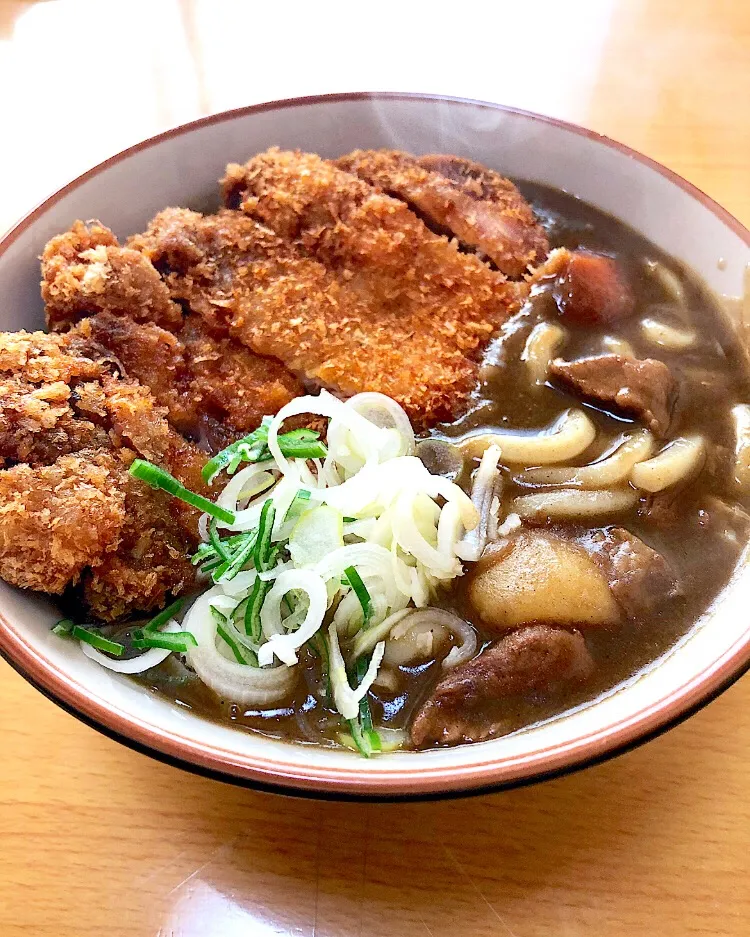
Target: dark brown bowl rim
(275, 774)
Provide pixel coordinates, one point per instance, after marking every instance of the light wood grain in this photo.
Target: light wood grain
(98, 840)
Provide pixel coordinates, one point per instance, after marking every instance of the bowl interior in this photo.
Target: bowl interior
(181, 168)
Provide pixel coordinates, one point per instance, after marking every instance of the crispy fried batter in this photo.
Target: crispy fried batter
(353, 291)
(85, 271)
(37, 393)
(462, 199)
(73, 504)
(150, 561)
(235, 386)
(57, 519)
(213, 387)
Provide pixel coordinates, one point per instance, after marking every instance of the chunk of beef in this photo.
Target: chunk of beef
(590, 289)
(460, 198)
(643, 389)
(640, 578)
(536, 660)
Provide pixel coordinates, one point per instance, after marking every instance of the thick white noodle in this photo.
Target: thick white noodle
(543, 343)
(572, 502)
(678, 461)
(610, 470)
(566, 438)
(670, 337)
(614, 345)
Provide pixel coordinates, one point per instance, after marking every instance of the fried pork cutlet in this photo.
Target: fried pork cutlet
(69, 511)
(85, 271)
(462, 199)
(349, 288)
(213, 387)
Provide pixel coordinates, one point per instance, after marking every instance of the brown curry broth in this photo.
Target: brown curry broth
(690, 536)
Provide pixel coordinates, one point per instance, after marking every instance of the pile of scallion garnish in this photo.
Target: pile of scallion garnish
(329, 547)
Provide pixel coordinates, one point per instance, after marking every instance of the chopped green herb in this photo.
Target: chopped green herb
(241, 557)
(164, 615)
(157, 478)
(262, 549)
(98, 641)
(365, 737)
(360, 590)
(179, 641)
(296, 444)
(255, 601)
(299, 502)
(63, 627)
(215, 540)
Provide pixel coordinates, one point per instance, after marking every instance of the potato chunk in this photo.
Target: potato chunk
(540, 578)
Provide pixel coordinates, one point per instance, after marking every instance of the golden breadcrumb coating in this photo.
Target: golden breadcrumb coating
(462, 199)
(85, 271)
(352, 291)
(57, 519)
(213, 387)
(69, 506)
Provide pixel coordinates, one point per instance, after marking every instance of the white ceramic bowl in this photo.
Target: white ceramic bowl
(181, 167)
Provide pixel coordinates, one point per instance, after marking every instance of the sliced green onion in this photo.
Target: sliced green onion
(245, 447)
(157, 478)
(215, 541)
(262, 549)
(364, 735)
(241, 549)
(63, 627)
(299, 502)
(97, 641)
(238, 561)
(178, 641)
(360, 590)
(163, 617)
(296, 444)
(255, 602)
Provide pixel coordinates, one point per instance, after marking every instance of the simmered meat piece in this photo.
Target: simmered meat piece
(351, 291)
(538, 659)
(590, 289)
(462, 199)
(85, 271)
(64, 511)
(640, 578)
(57, 519)
(643, 389)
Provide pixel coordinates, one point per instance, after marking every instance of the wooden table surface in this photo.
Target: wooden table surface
(97, 840)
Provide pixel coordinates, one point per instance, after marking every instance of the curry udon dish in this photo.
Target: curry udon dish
(383, 453)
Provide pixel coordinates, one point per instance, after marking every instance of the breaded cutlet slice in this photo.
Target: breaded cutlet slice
(85, 271)
(344, 284)
(460, 198)
(120, 311)
(69, 510)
